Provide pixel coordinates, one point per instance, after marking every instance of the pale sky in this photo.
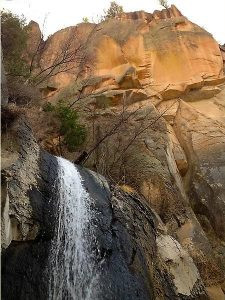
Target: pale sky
(209, 14)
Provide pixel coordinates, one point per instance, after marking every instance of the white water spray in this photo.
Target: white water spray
(71, 265)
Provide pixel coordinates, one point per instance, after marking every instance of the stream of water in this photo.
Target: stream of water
(72, 269)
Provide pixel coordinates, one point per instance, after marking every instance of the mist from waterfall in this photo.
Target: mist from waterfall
(71, 264)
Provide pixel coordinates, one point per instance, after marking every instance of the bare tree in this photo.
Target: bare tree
(122, 119)
(70, 58)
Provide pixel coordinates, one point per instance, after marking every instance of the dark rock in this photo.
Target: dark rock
(127, 254)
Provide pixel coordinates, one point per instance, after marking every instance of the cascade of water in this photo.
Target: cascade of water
(71, 263)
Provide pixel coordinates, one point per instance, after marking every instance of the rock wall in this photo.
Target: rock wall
(134, 252)
(166, 159)
(164, 51)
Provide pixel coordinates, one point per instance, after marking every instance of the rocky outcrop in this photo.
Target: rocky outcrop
(134, 252)
(164, 55)
(35, 43)
(173, 12)
(204, 142)
(147, 154)
(163, 51)
(18, 221)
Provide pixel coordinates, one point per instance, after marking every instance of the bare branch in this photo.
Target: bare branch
(146, 127)
(116, 126)
(63, 60)
(109, 133)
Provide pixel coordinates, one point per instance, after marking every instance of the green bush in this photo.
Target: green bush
(48, 107)
(85, 20)
(164, 3)
(74, 133)
(114, 10)
(14, 38)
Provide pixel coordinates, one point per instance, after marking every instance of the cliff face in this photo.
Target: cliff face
(156, 82)
(170, 55)
(133, 255)
(167, 54)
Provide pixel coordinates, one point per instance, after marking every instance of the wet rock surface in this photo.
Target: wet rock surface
(130, 260)
(31, 203)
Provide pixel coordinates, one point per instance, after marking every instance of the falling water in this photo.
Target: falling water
(72, 267)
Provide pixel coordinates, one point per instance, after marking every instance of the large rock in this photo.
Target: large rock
(19, 176)
(164, 52)
(35, 43)
(132, 250)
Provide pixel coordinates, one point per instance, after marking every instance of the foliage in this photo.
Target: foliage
(85, 20)
(14, 37)
(113, 11)
(74, 133)
(164, 3)
(48, 107)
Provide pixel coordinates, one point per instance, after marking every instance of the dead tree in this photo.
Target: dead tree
(122, 120)
(67, 59)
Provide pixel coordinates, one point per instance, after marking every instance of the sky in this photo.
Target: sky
(209, 14)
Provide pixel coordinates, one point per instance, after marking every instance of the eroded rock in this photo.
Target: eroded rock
(132, 249)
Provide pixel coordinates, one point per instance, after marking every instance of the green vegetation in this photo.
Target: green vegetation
(48, 107)
(74, 133)
(85, 20)
(14, 37)
(113, 11)
(164, 3)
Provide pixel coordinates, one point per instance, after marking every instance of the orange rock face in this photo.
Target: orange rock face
(165, 52)
(170, 54)
(34, 39)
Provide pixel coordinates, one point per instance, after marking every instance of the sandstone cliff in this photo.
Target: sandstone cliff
(163, 52)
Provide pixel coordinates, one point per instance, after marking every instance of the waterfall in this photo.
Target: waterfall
(71, 264)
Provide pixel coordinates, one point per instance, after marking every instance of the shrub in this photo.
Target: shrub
(48, 107)
(74, 133)
(85, 20)
(164, 3)
(14, 38)
(113, 11)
